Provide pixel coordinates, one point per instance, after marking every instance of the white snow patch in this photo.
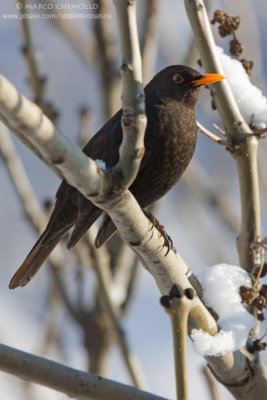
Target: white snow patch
(251, 102)
(221, 285)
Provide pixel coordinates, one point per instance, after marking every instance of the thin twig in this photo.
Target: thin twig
(30, 53)
(33, 209)
(219, 129)
(36, 80)
(100, 261)
(201, 184)
(85, 125)
(211, 384)
(107, 59)
(212, 136)
(150, 38)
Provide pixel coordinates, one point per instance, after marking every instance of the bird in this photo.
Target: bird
(170, 140)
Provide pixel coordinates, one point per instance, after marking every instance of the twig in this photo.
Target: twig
(200, 183)
(213, 137)
(219, 129)
(210, 383)
(150, 38)
(85, 125)
(72, 382)
(33, 209)
(29, 51)
(20, 180)
(36, 81)
(107, 58)
(100, 264)
(130, 282)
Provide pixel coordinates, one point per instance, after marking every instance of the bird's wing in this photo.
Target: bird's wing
(105, 144)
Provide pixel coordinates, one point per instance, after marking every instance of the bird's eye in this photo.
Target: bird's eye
(177, 78)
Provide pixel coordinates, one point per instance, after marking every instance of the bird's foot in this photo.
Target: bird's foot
(156, 224)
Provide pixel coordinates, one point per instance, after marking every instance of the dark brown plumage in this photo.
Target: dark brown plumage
(170, 141)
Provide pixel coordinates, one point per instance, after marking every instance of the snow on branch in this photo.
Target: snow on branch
(254, 112)
(221, 284)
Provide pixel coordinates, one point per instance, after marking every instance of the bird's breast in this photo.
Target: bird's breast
(170, 142)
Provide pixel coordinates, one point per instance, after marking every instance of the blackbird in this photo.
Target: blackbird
(170, 140)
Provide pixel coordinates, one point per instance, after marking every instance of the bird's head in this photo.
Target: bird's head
(180, 83)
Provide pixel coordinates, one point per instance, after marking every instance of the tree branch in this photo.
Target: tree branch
(107, 59)
(72, 382)
(100, 265)
(150, 38)
(237, 129)
(133, 115)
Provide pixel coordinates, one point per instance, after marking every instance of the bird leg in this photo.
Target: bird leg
(156, 224)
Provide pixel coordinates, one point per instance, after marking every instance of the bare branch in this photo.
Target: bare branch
(86, 118)
(178, 305)
(29, 51)
(212, 136)
(150, 38)
(72, 382)
(34, 211)
(100, 264)
(211, 384)
(133, 118)
(200, 182)
(107, 58)
(237, 129)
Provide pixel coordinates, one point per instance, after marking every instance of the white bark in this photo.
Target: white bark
(74, 383)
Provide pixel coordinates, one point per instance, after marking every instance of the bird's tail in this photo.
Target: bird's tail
(35, 259)
(105, 232)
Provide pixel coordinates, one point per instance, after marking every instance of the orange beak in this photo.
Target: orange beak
(206, 79)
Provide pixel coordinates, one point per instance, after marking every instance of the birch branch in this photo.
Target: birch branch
(133, 114)
(74, 383)
(238, 130)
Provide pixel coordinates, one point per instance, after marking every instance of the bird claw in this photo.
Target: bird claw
(155, 224)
